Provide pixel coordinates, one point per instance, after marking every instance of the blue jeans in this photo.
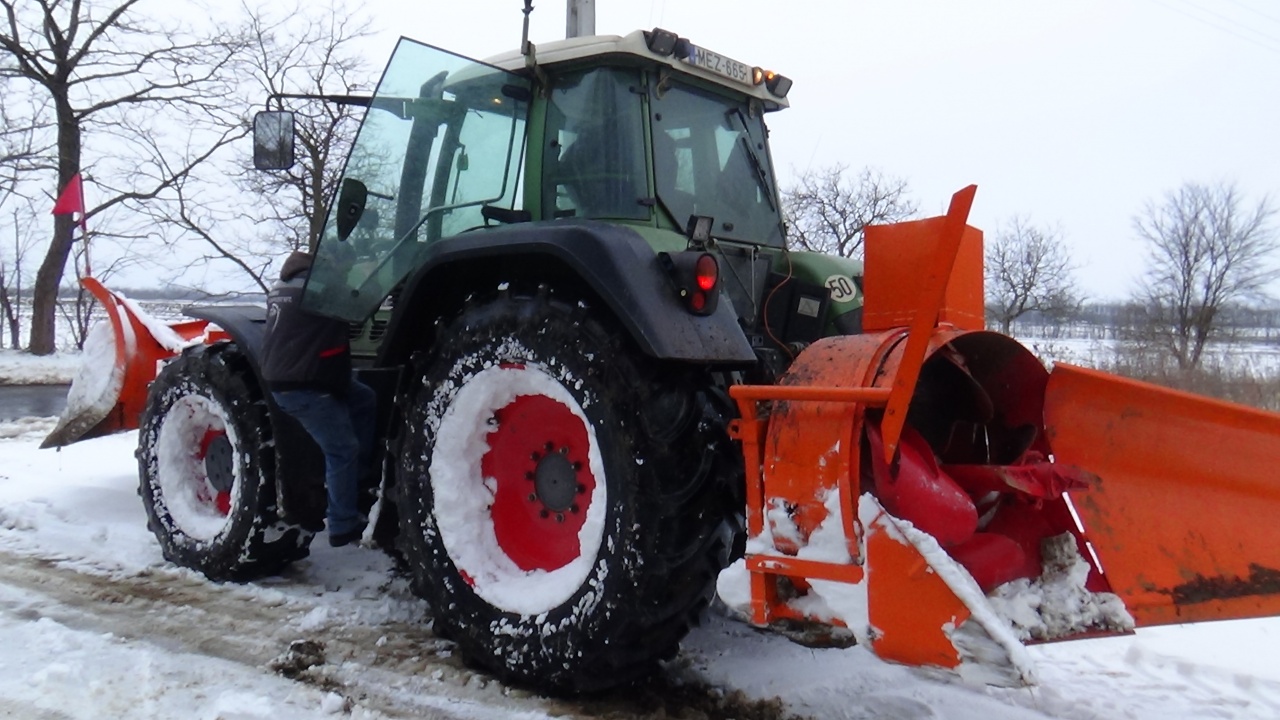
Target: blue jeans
(344, 430)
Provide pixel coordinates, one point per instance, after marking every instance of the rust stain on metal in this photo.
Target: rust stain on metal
(1261, 581)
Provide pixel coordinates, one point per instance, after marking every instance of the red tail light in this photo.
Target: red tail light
(698, 301)
(695, 276)
(707, 272)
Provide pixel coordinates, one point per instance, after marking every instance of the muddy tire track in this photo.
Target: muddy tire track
(398, 669)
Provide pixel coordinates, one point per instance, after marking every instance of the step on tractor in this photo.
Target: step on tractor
(603, 379)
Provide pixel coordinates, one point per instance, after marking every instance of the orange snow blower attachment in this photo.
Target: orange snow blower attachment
(120, 361)
(894, 477)
(918, 483)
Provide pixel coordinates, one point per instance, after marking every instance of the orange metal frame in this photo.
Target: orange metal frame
(811, 467)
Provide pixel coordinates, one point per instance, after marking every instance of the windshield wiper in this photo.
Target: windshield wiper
(762, 177)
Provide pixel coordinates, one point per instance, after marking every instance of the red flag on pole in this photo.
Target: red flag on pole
(71, 201)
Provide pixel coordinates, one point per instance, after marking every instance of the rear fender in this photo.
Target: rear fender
(611, 263)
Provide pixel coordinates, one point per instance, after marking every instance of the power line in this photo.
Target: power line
(1232, 21)
(1255, 10)
(662, 10)
(1228, 30)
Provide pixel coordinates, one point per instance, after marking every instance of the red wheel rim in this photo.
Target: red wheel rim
(538, 455)
(207, 490)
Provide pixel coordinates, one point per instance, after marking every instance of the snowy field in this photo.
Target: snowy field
(1079, 346)
(95, 624)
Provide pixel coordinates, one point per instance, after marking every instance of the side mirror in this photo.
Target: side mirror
(273, 140)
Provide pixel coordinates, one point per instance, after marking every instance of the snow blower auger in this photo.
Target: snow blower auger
(121, 356)
(915, 483)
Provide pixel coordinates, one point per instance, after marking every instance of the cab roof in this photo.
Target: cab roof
(633, 44)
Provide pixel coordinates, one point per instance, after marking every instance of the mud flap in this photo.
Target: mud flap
(1184, 517)
(119, 362)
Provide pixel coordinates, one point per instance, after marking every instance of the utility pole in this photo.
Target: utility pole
(580, 18)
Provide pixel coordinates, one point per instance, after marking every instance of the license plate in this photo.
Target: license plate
(719, 64)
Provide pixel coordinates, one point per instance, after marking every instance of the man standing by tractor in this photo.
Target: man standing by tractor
(306, 363)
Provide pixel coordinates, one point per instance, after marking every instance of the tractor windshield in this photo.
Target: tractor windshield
(443, 138)
(710, 158)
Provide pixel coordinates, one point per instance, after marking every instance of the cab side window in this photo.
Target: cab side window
(594, 162)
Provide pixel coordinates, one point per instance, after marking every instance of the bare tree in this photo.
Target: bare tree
(318, 59)
(75, 304)
(292, 53)
(23, 145)
(827, 209)
(13, 274)
(1207, 248)
(10, 299)
(124, 79)
(1028, 269)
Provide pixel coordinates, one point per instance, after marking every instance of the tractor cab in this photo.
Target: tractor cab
(646, 130)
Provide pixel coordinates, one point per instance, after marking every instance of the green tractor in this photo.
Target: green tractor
(554, 267)
(602, 378)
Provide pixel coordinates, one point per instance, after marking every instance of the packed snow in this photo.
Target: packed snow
(19, 368)
(96, 624)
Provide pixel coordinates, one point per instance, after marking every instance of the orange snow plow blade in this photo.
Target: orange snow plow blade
(119, 363)
(1184, 518)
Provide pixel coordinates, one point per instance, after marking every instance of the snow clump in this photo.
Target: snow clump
(1057, 604)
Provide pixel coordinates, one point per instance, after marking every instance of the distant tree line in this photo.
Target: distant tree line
(1211, 254)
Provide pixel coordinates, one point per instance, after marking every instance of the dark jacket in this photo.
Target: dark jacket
(302, 350)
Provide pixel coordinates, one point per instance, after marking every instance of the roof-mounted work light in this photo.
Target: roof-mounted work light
(777, 84)
(661, 42)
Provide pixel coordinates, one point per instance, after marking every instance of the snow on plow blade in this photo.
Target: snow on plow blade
(119, 362)
(1184, 517)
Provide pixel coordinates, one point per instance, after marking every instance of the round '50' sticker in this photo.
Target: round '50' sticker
(842, 288)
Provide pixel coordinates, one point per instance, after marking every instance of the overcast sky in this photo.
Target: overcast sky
(1073, 114)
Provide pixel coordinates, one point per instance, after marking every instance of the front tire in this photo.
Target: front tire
(207, 469)
(561, 496)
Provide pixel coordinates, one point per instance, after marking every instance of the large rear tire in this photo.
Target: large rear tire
(207, 469)
(562, 497)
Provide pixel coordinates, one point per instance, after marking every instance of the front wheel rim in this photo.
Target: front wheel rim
(197, 475)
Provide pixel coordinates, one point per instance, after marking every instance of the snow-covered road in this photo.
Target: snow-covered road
(94, 623)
